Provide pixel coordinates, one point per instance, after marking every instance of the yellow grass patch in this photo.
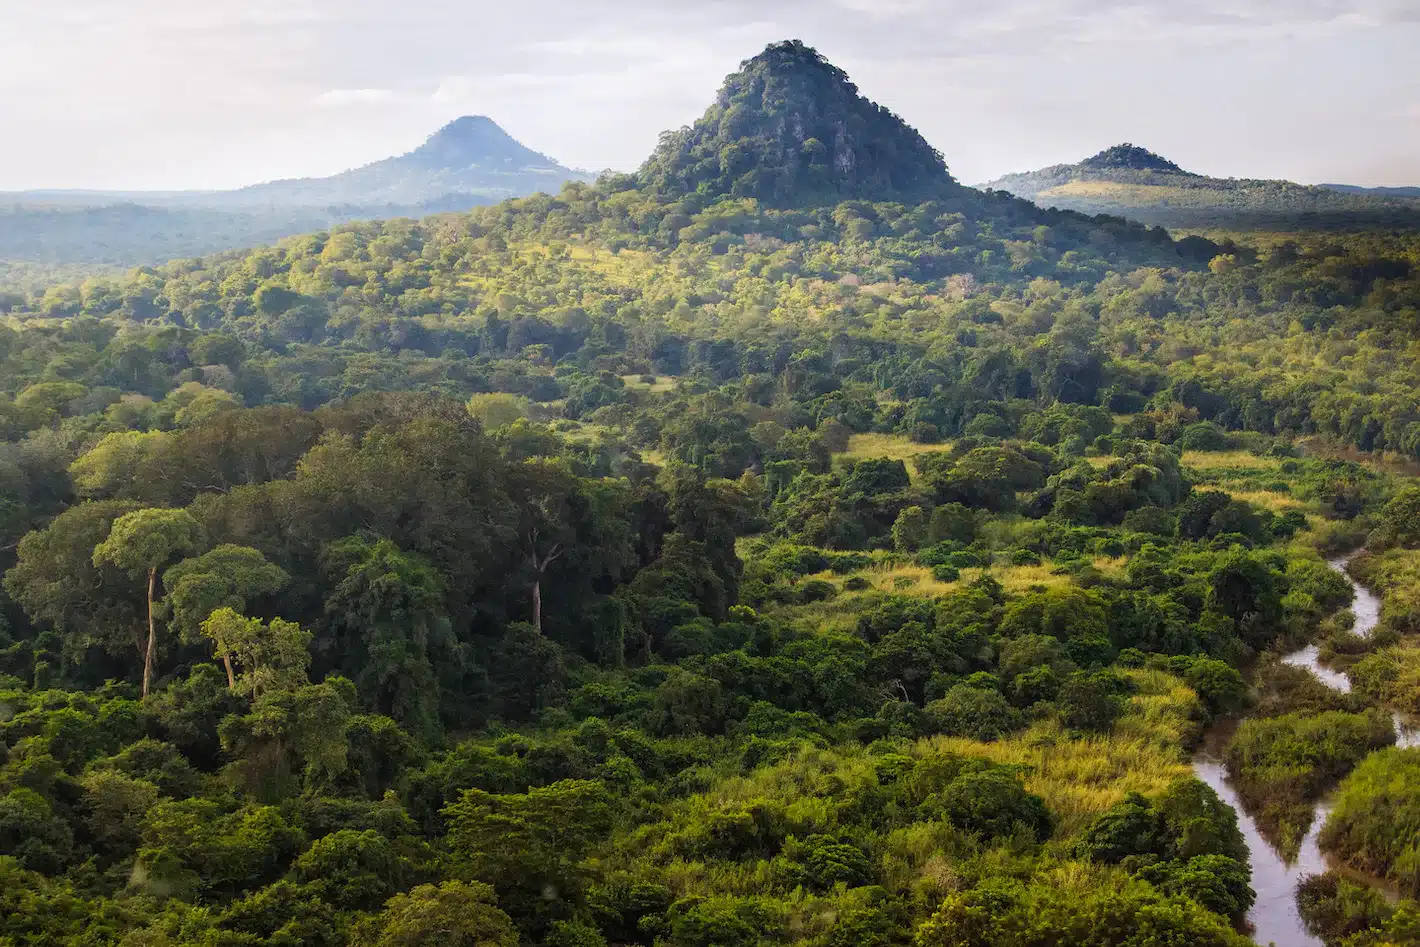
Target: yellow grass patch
(1228, 460)
(1269, 500)
(889, 447)
(660, 386)
(1078, 777)
(917, 580)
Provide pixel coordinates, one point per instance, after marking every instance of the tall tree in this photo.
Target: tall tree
(143, 542)
(226, 577)
(388, 618)
(575, 524)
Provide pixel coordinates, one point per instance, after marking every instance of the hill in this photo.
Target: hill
(1133, 182)
(1376, 191)
(468, 162)
(790, 128)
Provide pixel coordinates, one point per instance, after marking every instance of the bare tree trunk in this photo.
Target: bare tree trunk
(539, 569)
(152, 634)
(231, 680)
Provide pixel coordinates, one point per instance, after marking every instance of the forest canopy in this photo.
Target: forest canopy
(779, 546)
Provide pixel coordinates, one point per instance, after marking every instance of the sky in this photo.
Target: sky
(172, 94)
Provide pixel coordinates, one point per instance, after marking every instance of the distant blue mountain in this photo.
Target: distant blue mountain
(468, 162)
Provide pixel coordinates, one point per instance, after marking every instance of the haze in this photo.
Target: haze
(169, 94)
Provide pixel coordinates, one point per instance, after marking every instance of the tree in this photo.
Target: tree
(271, 656)
(58, 582)
(452, 914)
(910, 530)
(143, 542)
(387, 612)
(226, 577)
(531, 840)
(1400, 521)
(578, 525)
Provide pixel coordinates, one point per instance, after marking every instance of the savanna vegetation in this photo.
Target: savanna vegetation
(774, 547)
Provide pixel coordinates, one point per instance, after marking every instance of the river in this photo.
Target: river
(1274, 917)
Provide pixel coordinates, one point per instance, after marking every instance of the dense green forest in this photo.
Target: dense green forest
(781, 545)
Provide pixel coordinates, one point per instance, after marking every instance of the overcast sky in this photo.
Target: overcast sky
(220, 93)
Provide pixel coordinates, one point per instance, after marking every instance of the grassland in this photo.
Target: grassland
(888, 447)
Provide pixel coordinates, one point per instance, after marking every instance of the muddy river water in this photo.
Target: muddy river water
(1274, 917)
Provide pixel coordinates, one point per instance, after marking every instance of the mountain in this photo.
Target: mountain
(469, 156)
(1129, 181)
(789, 128)
(470, 161)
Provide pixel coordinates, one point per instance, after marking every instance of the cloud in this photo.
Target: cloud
(1252, 86)
(340, 98)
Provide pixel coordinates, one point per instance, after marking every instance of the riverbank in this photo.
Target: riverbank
(1275, 917)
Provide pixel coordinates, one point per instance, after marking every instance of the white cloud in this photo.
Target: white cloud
(218, 92)
(340, 98)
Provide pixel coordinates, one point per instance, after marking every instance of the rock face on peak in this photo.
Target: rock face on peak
(789, 128)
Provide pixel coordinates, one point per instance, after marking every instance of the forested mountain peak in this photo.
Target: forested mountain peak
(1130, 157)
(790, 128)
(477, 141)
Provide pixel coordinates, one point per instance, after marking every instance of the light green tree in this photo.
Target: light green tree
(142, 542)
(271, 656)
(226, 577)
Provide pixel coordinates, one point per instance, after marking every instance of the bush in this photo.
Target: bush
(1090, 701)
(1204, 436)
(1335, 908)
(973, 712)
(1281, 765)
(816, 590)
(1007, 913)
(946, 573)
(993, 804)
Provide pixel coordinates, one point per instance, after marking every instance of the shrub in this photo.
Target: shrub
(973, 712)
(1375, 823)
(946, 573)
(993, 804)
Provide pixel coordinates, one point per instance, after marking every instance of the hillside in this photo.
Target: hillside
(789, 128)
(468, 162)
(1132, 182)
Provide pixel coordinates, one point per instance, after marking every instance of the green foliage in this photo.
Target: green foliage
(1281, 765)
(1373, 822)
(1008, 914)
(712, 556)
(522, 844)
(975, 712)
(455, 913)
